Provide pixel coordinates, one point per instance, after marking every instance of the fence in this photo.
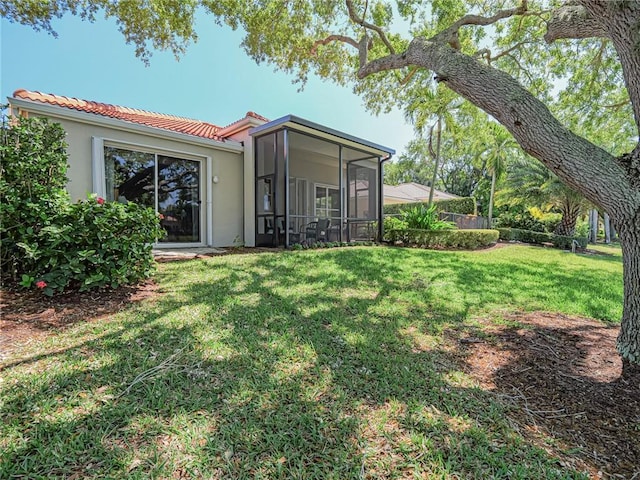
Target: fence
(465, 222)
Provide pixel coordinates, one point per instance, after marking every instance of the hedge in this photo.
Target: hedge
(565, 242)
(468, 239)
(528, 236)
(464, 206)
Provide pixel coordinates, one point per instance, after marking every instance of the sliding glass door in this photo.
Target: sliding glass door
(169, 185)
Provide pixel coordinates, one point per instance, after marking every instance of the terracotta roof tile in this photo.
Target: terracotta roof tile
(247, 115)
(163, 121)
(255, 115)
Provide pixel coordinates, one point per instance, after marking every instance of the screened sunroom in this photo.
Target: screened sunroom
(315, 184)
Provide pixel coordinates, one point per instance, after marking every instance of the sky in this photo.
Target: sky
(214, 80)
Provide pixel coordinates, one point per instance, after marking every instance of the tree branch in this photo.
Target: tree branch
(486, 53)
(382, 64)
(334, 38)
(615, 106)
(369, 26)
(575, 22)
(450, 35)
(620, 20)
(407, 78)
(575, 160)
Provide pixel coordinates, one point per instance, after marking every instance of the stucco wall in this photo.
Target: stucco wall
(227, 194)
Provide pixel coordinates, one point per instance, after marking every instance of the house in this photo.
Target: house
(412, 192)
(255, 181)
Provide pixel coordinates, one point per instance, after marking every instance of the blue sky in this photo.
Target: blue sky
(214, 81)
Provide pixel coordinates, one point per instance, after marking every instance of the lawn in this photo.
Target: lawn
(326, 364)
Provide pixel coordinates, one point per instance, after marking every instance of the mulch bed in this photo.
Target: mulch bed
(558, 375)
(28, 315)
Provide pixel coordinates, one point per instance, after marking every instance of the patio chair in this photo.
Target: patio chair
(280, 231)
(316, 231)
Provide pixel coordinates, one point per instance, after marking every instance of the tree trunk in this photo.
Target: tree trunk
(570, 213)
(614, 233)
(436, 163)
(607, 228)
(593, 225)
(628, 344)
(491, 195)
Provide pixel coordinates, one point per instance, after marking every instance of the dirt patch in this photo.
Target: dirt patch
(560, 376)
(29, 315)
(161, 258)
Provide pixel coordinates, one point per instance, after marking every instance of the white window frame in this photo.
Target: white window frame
(326, 187)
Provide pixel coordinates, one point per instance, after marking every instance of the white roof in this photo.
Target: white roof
(414, 192)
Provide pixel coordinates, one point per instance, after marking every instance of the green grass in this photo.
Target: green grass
(327, 364)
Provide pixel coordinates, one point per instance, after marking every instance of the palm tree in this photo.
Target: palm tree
(530, 180)
(433, 111)
(498, 147)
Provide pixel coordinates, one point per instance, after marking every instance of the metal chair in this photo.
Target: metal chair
(317, 231)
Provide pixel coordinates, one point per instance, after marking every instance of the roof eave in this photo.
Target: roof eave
(92, 118)
(294, 121)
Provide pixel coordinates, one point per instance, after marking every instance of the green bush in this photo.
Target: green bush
(51, 243)
(564, 242)
(550, 221)
(464, 206)
(521, 221)
(393, 223)
(467, 239)
(425, 218)
(93, 244)
(582, 228)
(527, 236)
(506, 234)
(32, 184)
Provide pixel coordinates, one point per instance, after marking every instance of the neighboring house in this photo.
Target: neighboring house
(412, 192)
(218, 186)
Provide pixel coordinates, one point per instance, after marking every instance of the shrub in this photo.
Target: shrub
(522, 221)
(392, 224)
(464, 206)
(93, 244)
(566, 243)
(506, 234)
(582, 228)
(32, 184)
(425, 218)
(51, 243)
(527, 236)
(467, 239)
(549, 220)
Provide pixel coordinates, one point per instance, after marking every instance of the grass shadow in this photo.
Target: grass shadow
(324, 364)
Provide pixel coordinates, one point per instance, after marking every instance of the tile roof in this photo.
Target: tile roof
(172, 123)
